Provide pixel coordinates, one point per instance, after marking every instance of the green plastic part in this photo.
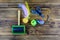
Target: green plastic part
(18, 33)
(33, 22)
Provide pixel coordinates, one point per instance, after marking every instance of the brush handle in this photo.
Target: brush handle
(27, 6)
(24, 10)
(18, 17)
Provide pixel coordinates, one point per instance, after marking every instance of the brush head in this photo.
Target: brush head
(18, 29)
